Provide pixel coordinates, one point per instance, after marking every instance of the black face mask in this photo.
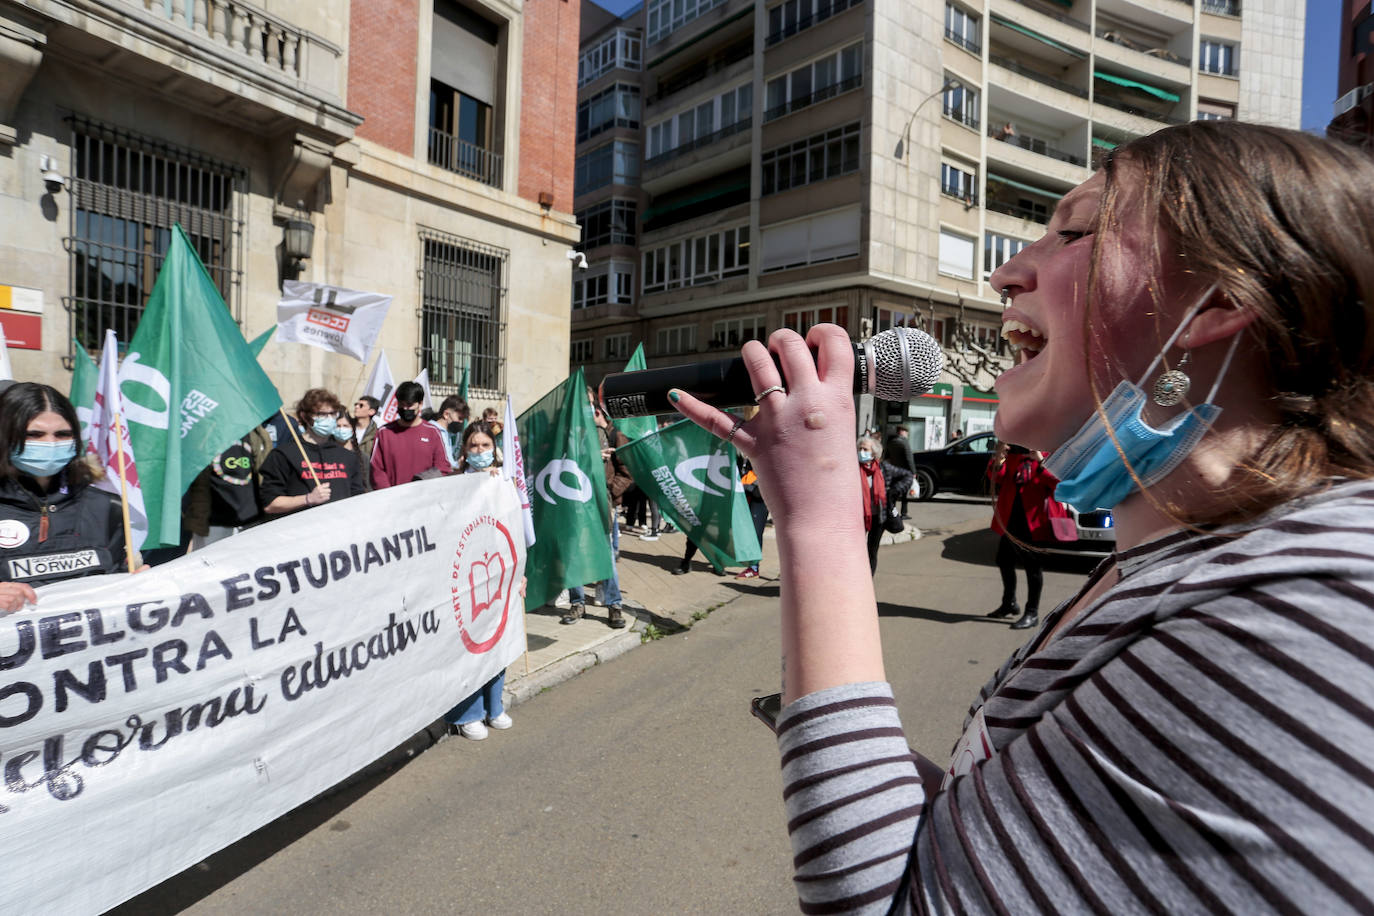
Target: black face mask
(455, 427)
(408, 414)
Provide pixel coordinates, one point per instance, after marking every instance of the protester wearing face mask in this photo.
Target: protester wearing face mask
(312, 468)
(874, 496)
(1190, 732)
(49, 506)
(471, 718)
(449, 420)
(408, 446)
(344, 432)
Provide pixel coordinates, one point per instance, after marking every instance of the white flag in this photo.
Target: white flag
(423, 381)
(513, 469)
(6, 370)
(107, 443)
(339, 320)
(382, 386)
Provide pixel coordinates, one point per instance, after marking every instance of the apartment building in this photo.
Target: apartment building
(408, 147)
(746, 165)
(1353, 115)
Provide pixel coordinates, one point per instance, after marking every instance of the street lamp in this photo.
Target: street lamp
(299, 237)
(903, 149)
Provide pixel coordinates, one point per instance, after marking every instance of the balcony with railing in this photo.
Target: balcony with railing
(1045, 9)
(1019, 69)
(1035, 145)
(1136, 109)
(1034, 214)
(967, 44)
(1161, 55)
(813, 98)
(783, 30)
(691, 146)
(1221, 7)
(464, 158)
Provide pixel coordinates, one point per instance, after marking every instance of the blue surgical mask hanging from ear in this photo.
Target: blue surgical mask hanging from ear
(1092, 473)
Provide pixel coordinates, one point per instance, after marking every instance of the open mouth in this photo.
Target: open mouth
(1026, 342)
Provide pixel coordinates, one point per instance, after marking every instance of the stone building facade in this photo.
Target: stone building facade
(414, 135)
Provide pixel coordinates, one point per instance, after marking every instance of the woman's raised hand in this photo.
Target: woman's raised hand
(801, 442)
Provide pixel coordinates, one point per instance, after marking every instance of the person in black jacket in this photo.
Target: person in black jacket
(287, 482)
(898, 452)
(54, 523)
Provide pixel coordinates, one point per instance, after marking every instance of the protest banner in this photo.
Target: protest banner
(339, 320)
(693, 478)
(636, 427)
(572, 511)
(6, 370)
(191, 386)
(85, 375)
(148, 721)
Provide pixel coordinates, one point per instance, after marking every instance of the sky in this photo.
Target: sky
(1320, 59)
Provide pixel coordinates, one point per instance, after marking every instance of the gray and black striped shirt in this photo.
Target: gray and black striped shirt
(1201, 739)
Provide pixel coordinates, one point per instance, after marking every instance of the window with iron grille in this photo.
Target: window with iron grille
(128, 191)
(463, 315)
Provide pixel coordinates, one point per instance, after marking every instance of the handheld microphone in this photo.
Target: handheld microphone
(896, 365)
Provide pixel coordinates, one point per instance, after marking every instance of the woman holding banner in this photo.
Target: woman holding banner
(1191, 732)
(477, 454)
(54, 524)
(312, 467)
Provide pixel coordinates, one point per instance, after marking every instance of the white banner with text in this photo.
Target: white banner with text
(147, 721)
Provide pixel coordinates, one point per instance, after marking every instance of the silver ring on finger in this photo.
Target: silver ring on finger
(758, 398)
(739, 421)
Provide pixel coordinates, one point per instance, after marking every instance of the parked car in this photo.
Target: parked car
(1096, 535)
(960, 467)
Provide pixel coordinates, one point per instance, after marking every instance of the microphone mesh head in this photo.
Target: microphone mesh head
(906, 363)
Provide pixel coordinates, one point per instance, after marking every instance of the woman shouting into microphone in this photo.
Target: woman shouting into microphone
(1192, 731)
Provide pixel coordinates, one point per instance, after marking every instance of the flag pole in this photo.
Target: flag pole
(290, 427)
(124, 495)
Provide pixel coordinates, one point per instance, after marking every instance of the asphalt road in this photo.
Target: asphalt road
(641, 786)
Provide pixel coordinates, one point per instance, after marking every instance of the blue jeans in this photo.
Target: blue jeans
(610, 588)
(484, 704)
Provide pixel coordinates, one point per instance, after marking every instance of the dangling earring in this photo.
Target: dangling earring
(1006, 292)
(1172, 386)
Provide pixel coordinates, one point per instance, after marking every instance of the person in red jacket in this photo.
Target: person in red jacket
(1022, 515)
(874, 496)
(407, 446)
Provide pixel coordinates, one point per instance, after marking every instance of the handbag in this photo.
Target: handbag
(1064, 528)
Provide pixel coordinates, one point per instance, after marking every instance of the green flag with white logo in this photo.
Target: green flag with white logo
(567, 484)
(85, 376)
(191, 386)
(636, 427)
(693, 477)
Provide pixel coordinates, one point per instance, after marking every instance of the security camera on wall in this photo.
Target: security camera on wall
(52, 178)
(578, 258)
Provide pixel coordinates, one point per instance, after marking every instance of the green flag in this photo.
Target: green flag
(85, 374)
(258, 343)
(567, 483)
(463, 386)
(636, 427)
(191, 386)
(693, 478)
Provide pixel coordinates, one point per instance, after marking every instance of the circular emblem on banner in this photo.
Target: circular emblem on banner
(483, 582)
(13, 533)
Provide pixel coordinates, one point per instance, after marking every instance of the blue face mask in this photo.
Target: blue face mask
(324, 426)
(865, 456)
(1091, 470)
(481, 460)
(43, 459)
(342, 433)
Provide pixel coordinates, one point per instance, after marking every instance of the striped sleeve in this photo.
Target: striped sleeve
(1221, 759)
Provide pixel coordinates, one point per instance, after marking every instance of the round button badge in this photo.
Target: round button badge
(13, 533)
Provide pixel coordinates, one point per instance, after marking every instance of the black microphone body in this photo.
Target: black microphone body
(898, 364)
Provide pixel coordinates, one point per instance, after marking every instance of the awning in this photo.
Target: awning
(721, 191)
(1132, 84)
(1073, 52)
(1105, 144)
(1024, 187)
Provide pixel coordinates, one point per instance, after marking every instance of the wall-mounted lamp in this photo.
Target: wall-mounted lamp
(52, 178)
(298, 240)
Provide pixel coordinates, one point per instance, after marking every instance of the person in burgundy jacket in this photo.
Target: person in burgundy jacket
(1022, 515)
(407, 446)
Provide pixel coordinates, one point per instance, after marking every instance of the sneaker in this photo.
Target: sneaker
(562, 600)
(681, 570)
(648, 537)
(474, 731)
(574, 614)
(617, 618)
(748, 573)
(501, 721)
(594, 599)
